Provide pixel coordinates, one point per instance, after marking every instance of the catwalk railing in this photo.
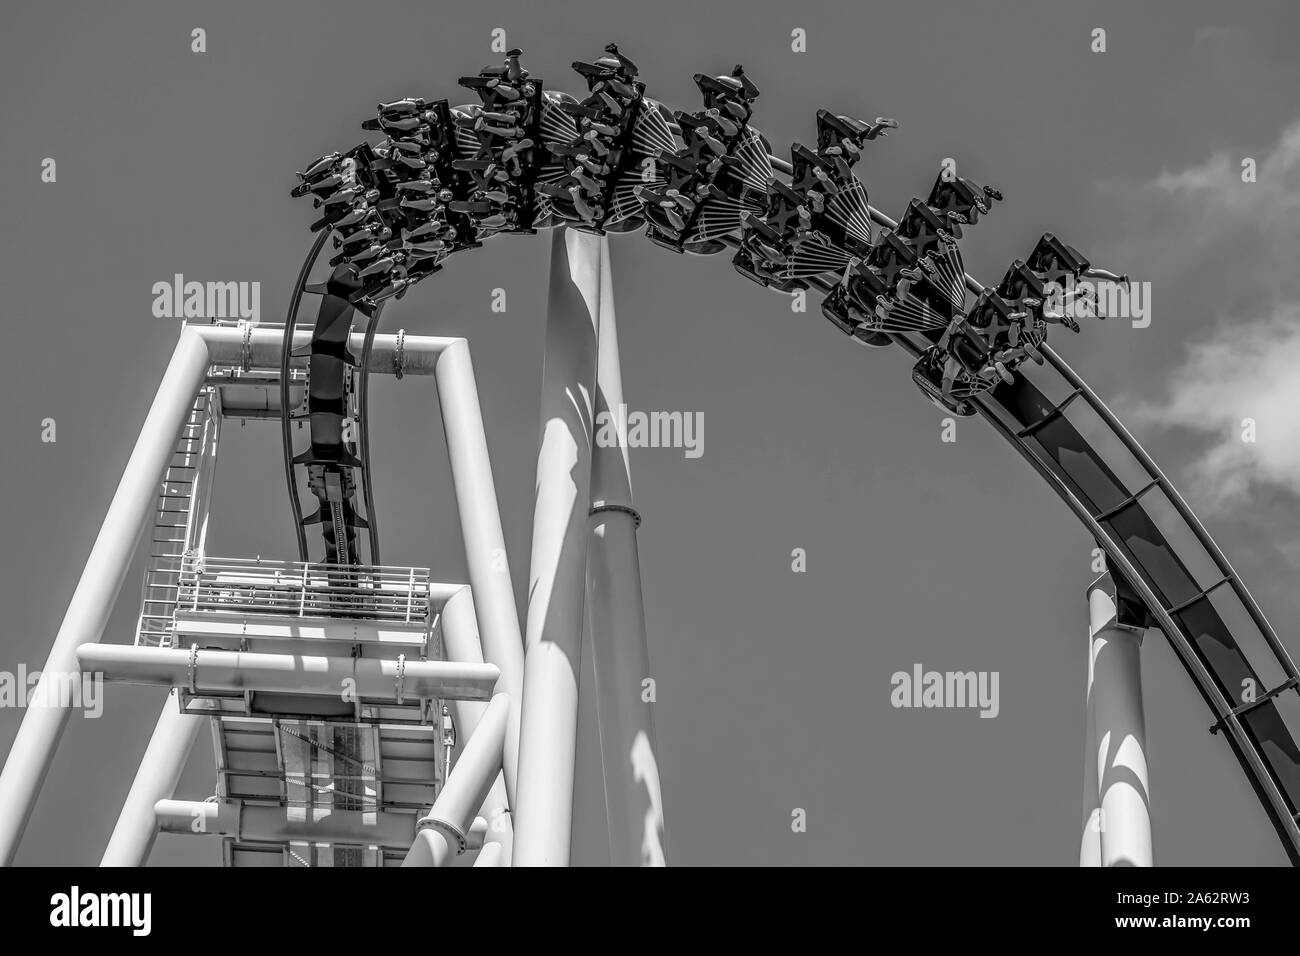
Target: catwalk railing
(229, 585)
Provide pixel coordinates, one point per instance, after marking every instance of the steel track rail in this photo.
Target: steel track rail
(1265, 778)
(362, 424)
(286, 435)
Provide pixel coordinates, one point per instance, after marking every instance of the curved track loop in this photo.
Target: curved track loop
(286, 350)
(704, 182)
(359, 472)
(1180, 604)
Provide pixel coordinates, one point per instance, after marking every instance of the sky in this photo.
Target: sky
(774, 686)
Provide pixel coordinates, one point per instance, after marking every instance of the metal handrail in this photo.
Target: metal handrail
(303, 589)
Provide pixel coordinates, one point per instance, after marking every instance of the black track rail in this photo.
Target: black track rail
(361, 475)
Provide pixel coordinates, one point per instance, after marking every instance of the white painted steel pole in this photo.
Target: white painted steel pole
(558, 567)
(160, 770)
(211, 671)
(444, 831)
(461, 642)
(616, 619)
(101, 580)
(1120, 741)
(485, 547)
(261, 823)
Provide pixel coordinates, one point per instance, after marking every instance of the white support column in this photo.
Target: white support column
(101, 581)
(616, 619)
(461, 642)
(1123, 790)
(1090, 838)
(485, 548)
(558, 567)
(160, 770)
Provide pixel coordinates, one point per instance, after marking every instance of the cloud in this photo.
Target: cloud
(1248, 370)
(1272, 199)
(1236, 245)
(1204, 236)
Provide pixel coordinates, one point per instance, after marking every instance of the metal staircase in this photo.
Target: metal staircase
(180, 521)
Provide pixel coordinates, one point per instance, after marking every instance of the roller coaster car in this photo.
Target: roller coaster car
(401, 117)
(785, 218)
(1055, 261)
(813, 172)
(501, 83)
(925, 231)
(840, 138)
(614, 73)
(670, 209)
(705, 141)
(599, 154)
(889, 257)
(960, 201)
(842, 311)
(836, 202)
(704, 247)
(852, 303)
(977, 354)
(763, 252)
(730, 96)
(666, 238)
(928, 374)
(995, 322)
(1024, 292)
(704, 169)
(1020, 286)
(508, 130)
(756, 269)
(331, 173)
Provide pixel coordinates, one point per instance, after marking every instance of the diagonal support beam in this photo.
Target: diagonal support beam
(160, 770)
(133, 503)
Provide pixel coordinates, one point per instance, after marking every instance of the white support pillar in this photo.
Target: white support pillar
(616, 619)
(461, 642)
(1090, 838)
(1119, 744)
(485, 548)
(160, 770)
(101, 581)
(444, 831)
(558, 567)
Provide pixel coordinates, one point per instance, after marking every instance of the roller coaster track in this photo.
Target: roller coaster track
(446, 179)
(337, 499)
